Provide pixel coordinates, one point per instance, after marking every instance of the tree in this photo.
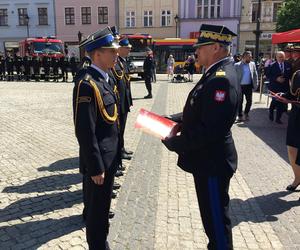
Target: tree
(288, 16)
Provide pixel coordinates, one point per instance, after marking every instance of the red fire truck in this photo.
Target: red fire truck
(41, 47)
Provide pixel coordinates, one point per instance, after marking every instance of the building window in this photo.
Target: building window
(208, 8)
(69, 16)
(43, 16)
(86, 15)
(148, 17)
(3, 17)
(130, 19)
(23, 16)
(276, 7)
(254, 12)
(103, 15)
(165, 18)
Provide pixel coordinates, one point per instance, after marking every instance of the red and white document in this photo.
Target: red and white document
(154, 124)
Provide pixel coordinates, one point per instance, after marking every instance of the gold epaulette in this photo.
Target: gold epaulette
(297, 92)
(99, 102)
(220, 73)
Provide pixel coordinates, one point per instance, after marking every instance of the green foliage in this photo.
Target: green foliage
(288, 16)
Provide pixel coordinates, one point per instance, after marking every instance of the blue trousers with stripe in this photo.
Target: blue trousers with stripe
(213, 200)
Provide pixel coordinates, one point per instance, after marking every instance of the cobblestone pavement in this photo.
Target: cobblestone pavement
(156, 207)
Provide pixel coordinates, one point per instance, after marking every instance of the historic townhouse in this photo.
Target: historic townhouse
(157, 18)
(219, 12)
(268, 19)
(77, 19)
(23, 18)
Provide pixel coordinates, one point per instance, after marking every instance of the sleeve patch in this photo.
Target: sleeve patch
(220, 95)
(83, 99)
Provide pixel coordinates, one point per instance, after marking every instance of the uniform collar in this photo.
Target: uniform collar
(211, 66)
(102, 72)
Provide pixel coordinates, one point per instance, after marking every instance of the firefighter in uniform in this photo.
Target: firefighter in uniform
(18, 61)
(27, 65)
(122, 77)
(36, 65)
(46, 61)
(9, 62)
(97, 130)
(2, 67)
(73, 65)
(64, 64)
(205, 145)
(55, 66)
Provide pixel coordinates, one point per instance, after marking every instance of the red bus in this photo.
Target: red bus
(41, 46)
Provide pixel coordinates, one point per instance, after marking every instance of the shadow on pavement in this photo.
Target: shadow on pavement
(271, 133)
(271, 205)
(61, 165)
(40, 205)
(47, 183)
(36, 233)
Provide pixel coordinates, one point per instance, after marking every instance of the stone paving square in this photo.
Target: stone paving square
(156, 207)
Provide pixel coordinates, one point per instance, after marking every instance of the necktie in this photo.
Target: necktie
(281, 68)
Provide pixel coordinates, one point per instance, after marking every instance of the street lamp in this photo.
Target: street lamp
(27, 24)
(257, 32)
(176, 19)
(79, 34)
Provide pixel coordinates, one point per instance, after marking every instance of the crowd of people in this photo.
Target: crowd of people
(14, 67)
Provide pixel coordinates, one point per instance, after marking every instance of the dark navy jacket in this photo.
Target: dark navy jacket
(98, 139)
(274, 72)
(205, 145)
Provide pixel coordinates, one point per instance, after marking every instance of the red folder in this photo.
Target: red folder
(154, 124)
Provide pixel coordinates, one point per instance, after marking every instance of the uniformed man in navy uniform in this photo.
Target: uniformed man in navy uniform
(205, 145)
(122, 77)
(97, 129)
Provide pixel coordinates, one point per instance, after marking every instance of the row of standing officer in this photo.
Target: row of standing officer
(101, 102)
(27, 67)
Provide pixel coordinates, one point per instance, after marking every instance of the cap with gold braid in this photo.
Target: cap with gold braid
(210, 34)
(100, 39)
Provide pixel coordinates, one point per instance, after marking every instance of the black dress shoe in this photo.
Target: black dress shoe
(113, 195)
(125, 156)
(148, 96)
(121, 168)
(279, 122)
(119, 173)
(111, 214)
(116, 186)
(127, 152)
(291, 187)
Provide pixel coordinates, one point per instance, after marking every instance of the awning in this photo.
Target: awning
(291, 36)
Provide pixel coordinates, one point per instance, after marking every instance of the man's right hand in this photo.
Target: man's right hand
(98, 179)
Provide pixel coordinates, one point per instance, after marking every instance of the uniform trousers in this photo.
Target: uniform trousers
(123, 119)
(97, 199)
(247, 91)
(148, 84)
(213, 201)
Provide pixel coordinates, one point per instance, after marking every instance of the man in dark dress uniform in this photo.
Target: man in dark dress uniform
(2, 67)
(205, 145)
(9, 62)
(148, 72)
(122, 77)
(18, 61)
(97, 130)
(27, 64)
(36, 65)
(55, 66)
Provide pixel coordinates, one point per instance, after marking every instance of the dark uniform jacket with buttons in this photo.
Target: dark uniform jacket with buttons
(122, 79)
(96, 124)
(205, 145)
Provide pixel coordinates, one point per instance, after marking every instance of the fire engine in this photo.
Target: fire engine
(41, 47)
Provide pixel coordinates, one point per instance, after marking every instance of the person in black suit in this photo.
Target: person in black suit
(205, 145)
(148, 72)
(121, 74)
(279, 74)
(96, 120)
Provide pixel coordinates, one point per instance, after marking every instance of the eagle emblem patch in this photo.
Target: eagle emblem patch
(220, 95)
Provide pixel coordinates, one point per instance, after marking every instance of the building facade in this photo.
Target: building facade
(156, 17)
(193, 13)
(268, 20)
(20, 19)
(76, 18)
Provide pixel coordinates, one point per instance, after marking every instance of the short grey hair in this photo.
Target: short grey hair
(226, 47)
